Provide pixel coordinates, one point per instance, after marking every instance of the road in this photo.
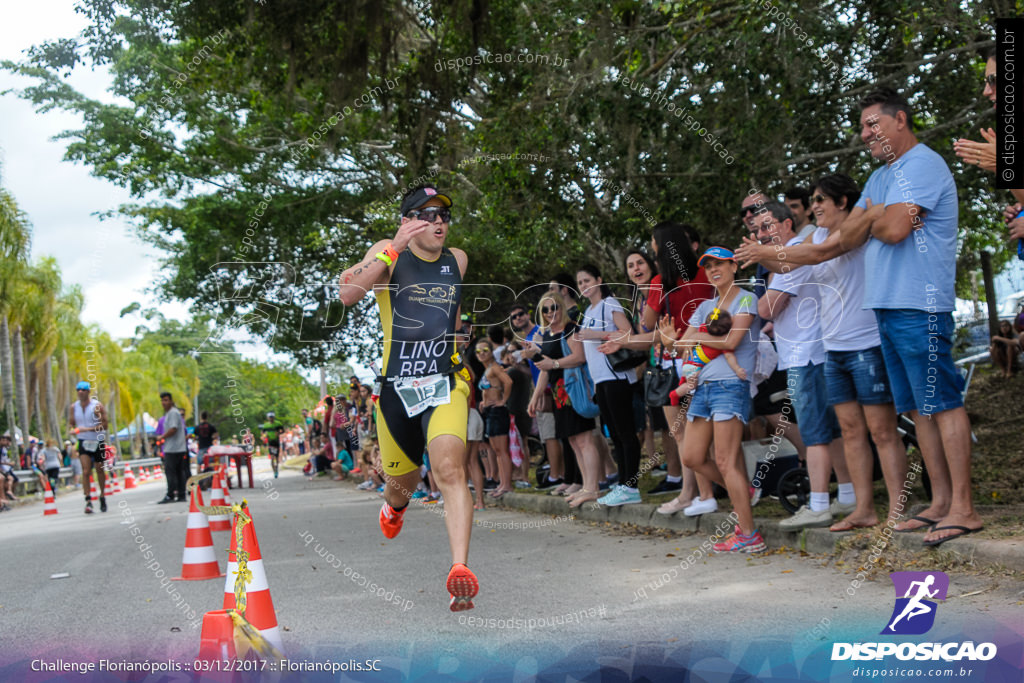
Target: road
(557, 596)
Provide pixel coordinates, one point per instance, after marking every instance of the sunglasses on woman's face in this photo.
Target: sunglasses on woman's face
(483, 349)
(818, 199)
(545, 310)
(991, 80)
(431, 214)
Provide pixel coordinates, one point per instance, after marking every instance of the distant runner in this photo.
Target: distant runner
(88, 420)
(273, 428)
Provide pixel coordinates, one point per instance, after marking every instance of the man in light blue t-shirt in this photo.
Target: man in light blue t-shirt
(908, 216)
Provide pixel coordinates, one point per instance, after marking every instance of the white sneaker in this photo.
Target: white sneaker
(366, 485)
(806, 518)
(701, 507)
(841, 509)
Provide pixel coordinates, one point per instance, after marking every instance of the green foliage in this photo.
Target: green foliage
(232, 146)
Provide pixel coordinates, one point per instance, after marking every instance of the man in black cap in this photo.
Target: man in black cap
(424, 395)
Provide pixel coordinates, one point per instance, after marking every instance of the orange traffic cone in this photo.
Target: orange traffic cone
(92, 490)
(218, 522)
(143, 475)
(158, 472)
(49, 504)
(108, 487)
(129, 478)
(199, 560)
(217, 642)
(259, 607)
(117, 482)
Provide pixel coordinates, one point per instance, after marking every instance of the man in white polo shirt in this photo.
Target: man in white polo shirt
(792, 303)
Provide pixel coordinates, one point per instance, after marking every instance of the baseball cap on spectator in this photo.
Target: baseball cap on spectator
(82, 386)
(720, 253)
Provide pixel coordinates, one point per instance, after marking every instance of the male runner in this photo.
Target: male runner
(424, 395)
(88, 420)
(273, 428)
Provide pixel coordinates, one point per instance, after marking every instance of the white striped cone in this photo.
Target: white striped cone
(145, 474)
(108, 487)
(92, 490)
(199, 560)
(117, 482)
(218, 522)
(49, 504)
(129, 478)
(259, 607)
(158, 472)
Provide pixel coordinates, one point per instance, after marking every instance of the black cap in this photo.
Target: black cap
(421, 197)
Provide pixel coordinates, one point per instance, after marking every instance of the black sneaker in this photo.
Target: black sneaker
(490, 484)
(103, 504)
(546, 484)
(612, 478)
(88, 507)
(604, 485)
(166, 499)
(666, 486)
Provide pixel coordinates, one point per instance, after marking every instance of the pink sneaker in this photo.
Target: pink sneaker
(738, 543)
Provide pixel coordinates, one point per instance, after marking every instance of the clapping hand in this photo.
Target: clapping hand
(980, 154)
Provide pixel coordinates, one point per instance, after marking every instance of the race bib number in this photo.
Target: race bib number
(90, 446)
(419, 393)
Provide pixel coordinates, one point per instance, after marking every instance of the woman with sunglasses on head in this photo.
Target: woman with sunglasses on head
(613, 391)
(495, 386)
(721, 403)
(640, 270)
(556, 328)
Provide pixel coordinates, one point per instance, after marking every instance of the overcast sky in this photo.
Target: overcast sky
(61, 198)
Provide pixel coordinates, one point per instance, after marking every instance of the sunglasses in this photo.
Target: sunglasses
(991, 80)
(483, 349)
(747, 209)
(818, 198)
(545, 310)
(431, 214)
(519, 314)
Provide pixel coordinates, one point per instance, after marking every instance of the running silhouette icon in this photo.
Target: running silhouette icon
(914, 612)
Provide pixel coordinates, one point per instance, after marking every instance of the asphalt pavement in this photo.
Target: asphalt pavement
(559, 595)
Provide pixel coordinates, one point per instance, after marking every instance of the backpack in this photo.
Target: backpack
(580, 387)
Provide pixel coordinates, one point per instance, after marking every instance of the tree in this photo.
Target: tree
(265, 143)
(15, 238)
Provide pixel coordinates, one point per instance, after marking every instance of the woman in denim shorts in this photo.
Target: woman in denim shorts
(721, 403)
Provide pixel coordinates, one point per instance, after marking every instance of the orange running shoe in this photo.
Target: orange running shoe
(391, 520)
(463, 586)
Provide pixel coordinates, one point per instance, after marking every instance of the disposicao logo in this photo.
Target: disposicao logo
(913, 615)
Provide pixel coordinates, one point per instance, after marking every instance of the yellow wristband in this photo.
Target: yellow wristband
(383, 256)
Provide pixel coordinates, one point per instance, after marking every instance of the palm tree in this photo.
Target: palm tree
(15, 239)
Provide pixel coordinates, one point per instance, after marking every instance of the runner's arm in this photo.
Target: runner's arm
(362, 277)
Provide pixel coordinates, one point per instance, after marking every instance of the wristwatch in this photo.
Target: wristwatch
(556, 365)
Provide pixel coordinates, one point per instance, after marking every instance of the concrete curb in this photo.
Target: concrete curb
(1008, 553)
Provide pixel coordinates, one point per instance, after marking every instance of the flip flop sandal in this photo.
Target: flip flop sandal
(939, 541)
(928, 524)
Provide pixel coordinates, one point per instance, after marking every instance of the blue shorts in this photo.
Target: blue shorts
(721, 400)
(918, 351)
(857, 376)
(814, 415)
